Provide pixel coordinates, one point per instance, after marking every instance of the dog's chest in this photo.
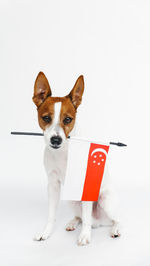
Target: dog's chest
(55, 163)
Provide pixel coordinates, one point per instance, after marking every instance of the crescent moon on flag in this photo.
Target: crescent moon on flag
(99, 150)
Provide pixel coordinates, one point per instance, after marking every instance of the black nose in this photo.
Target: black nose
(56, 141)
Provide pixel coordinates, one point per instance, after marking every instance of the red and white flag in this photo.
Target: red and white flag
(85, 168)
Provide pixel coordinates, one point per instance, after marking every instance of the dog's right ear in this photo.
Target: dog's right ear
(76, 93)
(41, 89)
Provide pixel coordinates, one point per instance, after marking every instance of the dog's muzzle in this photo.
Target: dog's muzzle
(55, 142)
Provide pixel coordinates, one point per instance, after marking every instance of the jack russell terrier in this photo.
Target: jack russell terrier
(57, 116)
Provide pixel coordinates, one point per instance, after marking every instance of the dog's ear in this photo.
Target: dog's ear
(76, 93)
(41, 89)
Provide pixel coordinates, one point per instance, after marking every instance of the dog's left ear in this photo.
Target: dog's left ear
(76, 93)
(41, 89)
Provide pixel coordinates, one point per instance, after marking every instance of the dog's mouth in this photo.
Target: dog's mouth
(55, 146)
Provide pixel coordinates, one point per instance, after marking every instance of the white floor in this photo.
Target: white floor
(24, 215)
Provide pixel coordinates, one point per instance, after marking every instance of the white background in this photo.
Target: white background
(109, 43)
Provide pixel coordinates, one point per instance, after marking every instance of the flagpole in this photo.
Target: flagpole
(96, 141)
(26, 133)
(119, 144)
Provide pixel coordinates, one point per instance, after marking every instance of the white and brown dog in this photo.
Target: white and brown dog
(56, 116)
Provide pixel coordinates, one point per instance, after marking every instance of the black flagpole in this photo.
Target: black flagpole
(119, 144)
(27, 133)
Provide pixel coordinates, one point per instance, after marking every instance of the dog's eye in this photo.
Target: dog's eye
(67, 120)
(46, 118)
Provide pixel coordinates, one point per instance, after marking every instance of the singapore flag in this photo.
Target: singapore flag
(85, 168)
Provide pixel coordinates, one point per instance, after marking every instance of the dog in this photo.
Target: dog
(57, 117)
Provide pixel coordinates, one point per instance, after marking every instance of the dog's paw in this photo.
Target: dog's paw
(84, 238)
(42, 236)
(72, 225)
(45, 234)
(115, 231)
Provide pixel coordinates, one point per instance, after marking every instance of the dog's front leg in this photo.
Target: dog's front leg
(53, 199)
(85, 235)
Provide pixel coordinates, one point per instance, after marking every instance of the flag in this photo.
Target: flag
(85, 168)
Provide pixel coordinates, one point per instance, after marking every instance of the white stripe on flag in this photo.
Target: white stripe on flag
(76, 170)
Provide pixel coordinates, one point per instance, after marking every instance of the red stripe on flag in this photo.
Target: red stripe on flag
(94, 171)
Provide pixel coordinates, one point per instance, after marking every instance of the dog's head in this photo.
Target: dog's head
(56, 115)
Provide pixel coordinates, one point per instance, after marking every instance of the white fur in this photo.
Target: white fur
(55, 161)
(55, 128)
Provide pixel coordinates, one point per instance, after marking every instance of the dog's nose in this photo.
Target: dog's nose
(56, 141)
